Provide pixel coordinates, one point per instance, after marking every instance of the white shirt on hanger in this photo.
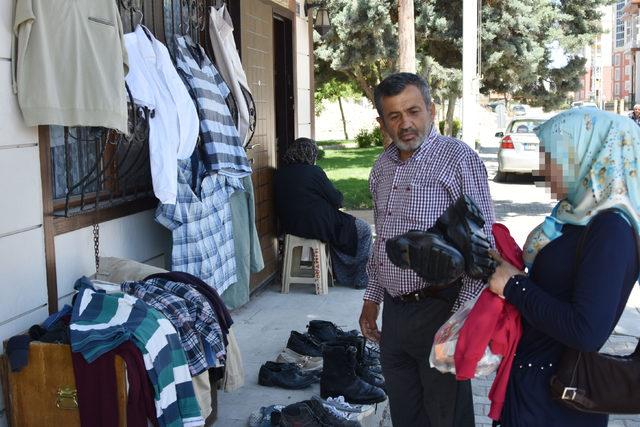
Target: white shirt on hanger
(174, 127)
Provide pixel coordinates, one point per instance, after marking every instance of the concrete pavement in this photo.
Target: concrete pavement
(263, 325)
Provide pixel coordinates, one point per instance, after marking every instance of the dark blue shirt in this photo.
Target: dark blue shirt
(567, 302)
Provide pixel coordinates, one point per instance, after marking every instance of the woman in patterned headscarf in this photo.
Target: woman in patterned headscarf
(578, 282)
(308, 205)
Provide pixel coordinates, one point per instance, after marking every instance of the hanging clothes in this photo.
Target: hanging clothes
(101, 322)
(223, 149)
(191, 315)
(69, 63)
(229, 65)
(247, 243)
(200, 222)
(174, 123)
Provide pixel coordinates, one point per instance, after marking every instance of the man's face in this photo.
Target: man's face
(406, 119)
(636, 110)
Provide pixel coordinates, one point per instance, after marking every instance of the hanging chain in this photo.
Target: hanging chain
(96, 244)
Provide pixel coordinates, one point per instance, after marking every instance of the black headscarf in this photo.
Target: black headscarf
(302, 151)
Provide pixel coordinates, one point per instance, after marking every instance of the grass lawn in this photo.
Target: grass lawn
(349, 169)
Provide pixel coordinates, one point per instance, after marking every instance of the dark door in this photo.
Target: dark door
(283, 73)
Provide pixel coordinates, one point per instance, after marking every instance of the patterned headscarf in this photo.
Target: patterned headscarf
(599, 154)
(301, 151)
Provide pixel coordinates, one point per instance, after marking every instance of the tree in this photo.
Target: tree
(363, 43)
(336, 90)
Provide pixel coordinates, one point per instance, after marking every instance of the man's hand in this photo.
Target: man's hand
(368, 319)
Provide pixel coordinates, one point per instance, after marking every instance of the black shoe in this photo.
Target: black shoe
(339, 377)
(300, 415)
(428, 254)
(304, 344)
(328, 417)
(366, 356)
(325, 331)
(285, 375)
(461, 224)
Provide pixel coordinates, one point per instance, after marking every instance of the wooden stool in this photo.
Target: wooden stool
(294, 272)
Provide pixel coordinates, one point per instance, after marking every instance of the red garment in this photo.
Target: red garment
(508, 248)
(495, 323)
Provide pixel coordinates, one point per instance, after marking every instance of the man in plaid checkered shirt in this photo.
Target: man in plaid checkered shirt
(413, 182)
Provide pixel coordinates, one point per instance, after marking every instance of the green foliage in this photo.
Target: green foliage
(331, 90)
(349, 170)
(367, 138)
(517, 39)
(321, 153)
(457, 127)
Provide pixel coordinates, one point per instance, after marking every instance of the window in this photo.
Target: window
(616, 89)
(627, 85)
(617, 74)
(619, 34)
(616, 59)
(627, 70)
(96, 174)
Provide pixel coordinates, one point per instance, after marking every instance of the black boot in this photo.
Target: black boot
(339, 377)
(304, 344)
(324, 331)
(368, 369)
(366, 356)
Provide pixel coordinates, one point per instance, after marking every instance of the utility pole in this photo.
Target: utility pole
(406, 36)
(470, 81)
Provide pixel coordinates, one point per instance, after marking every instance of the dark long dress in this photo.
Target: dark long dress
(307, 206)
(559, 309)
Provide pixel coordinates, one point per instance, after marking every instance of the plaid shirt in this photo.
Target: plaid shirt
(201, 224)
(191, 315)
(224, 151)
(411, 195)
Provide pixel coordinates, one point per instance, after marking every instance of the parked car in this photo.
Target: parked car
(519, 147)
(578, 104)
(519, 110)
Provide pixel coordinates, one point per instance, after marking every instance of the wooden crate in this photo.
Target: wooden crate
(42, 393)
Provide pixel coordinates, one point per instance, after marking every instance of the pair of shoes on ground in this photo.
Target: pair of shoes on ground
(312, 413)
(286, 375)
(345, 374)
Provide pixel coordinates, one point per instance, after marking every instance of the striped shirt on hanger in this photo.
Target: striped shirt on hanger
(223, 149)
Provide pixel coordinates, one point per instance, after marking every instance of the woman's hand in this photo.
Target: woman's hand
(500, 277)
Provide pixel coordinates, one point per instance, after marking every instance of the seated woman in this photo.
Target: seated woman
(308, 206)
(579, 278)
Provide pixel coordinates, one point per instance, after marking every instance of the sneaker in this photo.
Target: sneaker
(347, 410)
(285, 375)
(266, 416)
(330, 415)
(304, 344)
(306, 363)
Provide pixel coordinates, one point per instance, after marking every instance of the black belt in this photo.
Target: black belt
(425, 293)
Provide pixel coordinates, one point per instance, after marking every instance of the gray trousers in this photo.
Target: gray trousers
(419, 395)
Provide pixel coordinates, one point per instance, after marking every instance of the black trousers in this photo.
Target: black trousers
(419, 395)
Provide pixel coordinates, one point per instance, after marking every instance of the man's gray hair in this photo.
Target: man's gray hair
(396, 83)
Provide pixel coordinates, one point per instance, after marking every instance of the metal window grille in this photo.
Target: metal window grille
(95, 168)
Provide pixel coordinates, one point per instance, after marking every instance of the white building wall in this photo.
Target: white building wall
(23, 284)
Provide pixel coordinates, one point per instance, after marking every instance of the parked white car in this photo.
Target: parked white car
(578, 104)
(519, 147)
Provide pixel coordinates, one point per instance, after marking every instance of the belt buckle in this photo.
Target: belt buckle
(569, 393)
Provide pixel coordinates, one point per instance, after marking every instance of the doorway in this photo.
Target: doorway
(283, 83)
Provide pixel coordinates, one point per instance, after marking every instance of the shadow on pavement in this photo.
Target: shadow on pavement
(508, 208)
